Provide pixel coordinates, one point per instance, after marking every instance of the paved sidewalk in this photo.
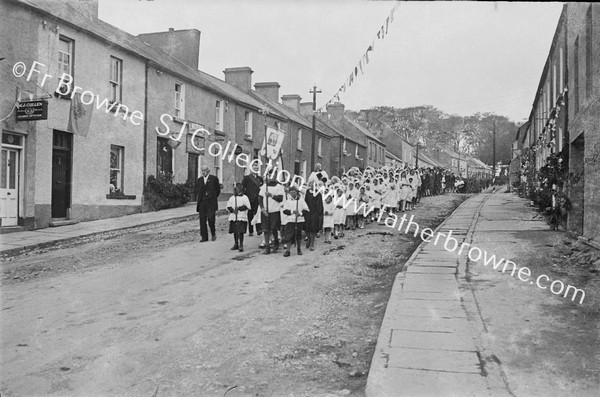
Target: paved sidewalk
(20, 242)
(426, 346)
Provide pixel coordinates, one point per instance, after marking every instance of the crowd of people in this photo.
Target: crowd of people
(288, 214)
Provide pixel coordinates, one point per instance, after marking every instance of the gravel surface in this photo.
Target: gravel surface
(156, 313)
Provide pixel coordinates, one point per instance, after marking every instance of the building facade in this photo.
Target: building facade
(84, 161)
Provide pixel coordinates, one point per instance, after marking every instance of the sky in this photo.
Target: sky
(461, 57)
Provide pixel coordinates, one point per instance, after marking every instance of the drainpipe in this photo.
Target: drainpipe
(145, 140)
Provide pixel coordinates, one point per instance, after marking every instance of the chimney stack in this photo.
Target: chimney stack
(306, 109)
(270, 90)
(240, 78)
(336, 112)
(89, 8)
(292, 101)
(183, 45)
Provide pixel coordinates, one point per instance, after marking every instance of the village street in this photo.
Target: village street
(157, 310)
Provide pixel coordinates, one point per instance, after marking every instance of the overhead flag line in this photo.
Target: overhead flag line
(359, 68)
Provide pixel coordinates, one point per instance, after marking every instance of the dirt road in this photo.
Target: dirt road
(156, 313)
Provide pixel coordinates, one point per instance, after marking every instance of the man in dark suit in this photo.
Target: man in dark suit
(252, 183)
(208, 189)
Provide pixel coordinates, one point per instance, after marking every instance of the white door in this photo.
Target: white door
(9, 187)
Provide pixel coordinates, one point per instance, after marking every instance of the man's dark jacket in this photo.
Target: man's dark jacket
(208, 192)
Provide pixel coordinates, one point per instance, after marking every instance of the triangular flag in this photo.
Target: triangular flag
(387, 21)
(360, 65)
(356, 70)
(379, 34)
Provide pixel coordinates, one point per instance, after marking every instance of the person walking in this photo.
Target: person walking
(318, 174)
(208, 189)
(252, 183)
(314, 221)
(295, 210)
(238, 207)
(270, 198)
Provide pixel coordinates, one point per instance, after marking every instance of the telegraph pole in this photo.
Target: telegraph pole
(314, 122)
(494, 150)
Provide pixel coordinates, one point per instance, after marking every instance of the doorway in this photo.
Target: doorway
(9, 179)
(61, 174)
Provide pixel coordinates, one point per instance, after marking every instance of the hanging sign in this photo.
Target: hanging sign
(32, 110)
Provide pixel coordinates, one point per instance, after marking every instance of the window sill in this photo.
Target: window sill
(121, 196)
(299, 149)
(248, 138)
(113, 106)
(178, 120)
(66, 96)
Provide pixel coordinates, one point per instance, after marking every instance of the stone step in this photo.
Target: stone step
(63, 223)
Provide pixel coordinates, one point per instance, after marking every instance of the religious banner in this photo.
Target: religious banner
(272, 144)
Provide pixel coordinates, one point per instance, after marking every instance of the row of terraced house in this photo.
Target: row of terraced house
(559, 146)
(82, 147)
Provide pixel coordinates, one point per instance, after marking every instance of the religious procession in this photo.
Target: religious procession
(288, 214)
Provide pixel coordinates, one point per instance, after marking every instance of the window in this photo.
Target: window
(554, 82)
(319, 152)
(116, 169)
(219, 115)
(297, 167)
(116, 80)
(256, 156)
(164, 156)
(588, 54)
(548, 104)
(561, 85)
(219, 167)
(356, 151)
(65, 59)
(180, 101)
(248, 124)
(576, 75)
(344, 147)
(299, 141)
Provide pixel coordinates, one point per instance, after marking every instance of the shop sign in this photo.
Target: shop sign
(32, 110)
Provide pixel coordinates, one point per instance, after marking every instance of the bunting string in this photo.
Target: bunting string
(364, 60)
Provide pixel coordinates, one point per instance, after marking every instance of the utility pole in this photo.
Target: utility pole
(494, 150)
(417, 159)
(314, 130)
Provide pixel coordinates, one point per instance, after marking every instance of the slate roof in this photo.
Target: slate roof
(289, 113)
(365, 131)
(333, 130)
(128, 42)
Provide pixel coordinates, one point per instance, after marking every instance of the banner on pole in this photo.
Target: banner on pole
(272, 144)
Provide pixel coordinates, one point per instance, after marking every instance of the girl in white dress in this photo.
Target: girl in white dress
(328, 224)
(339, 215)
